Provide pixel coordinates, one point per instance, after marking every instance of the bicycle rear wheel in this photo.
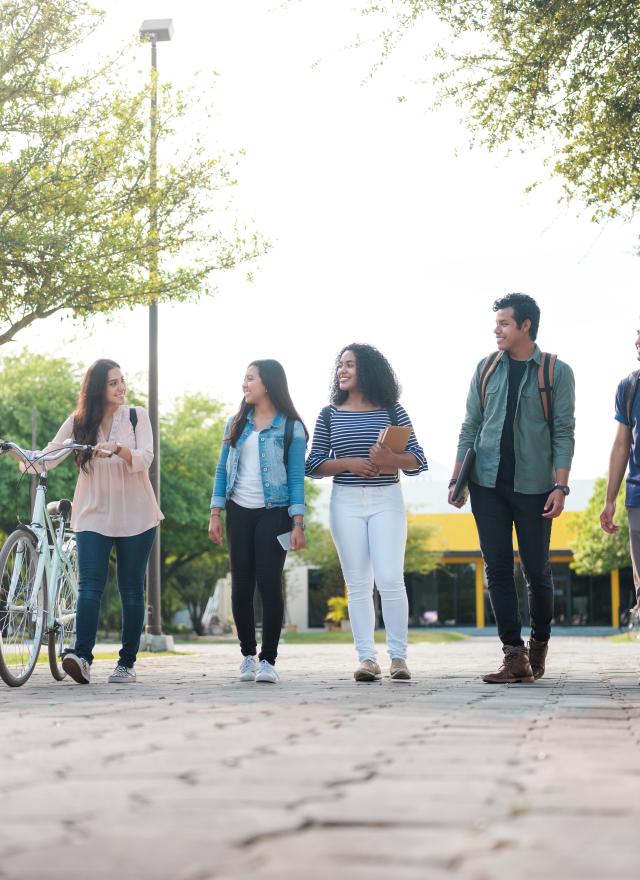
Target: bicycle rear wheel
(63, 635)
(22, 609)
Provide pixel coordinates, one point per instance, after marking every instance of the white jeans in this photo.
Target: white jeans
(369, 529)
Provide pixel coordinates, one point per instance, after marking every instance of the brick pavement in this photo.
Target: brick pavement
(191, 775)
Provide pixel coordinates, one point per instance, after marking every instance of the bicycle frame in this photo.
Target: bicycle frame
(50, 538)
(51, 554)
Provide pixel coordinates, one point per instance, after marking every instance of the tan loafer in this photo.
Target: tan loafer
(399, 670)
(368, 671)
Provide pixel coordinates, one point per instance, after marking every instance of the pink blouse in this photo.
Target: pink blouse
(112, 497)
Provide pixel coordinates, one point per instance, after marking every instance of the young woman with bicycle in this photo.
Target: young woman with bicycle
(367, 515)
(259, 480)
(113, 504)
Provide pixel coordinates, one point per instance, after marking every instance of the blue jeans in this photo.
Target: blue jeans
(132, 555)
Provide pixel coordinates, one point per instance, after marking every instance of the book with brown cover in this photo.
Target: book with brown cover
(395, 438)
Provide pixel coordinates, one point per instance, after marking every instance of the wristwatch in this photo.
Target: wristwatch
(564, 489)
(300, 523)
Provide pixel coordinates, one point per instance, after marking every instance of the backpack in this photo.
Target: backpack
(288, 437)
(133, 418)
(545, 380)
(630, 391)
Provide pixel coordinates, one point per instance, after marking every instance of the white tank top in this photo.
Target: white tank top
(247, 489)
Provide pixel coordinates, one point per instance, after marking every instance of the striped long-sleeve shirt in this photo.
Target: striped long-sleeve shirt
(351, 435)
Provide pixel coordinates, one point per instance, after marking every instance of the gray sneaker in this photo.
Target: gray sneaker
(248, 668)
(122, 675)
(267, 672)
(77, 668)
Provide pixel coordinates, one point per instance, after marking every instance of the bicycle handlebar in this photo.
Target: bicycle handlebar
(30, 458)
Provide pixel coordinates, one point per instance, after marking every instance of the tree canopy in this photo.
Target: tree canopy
(75, 196)
(562, 72)
(594, 551)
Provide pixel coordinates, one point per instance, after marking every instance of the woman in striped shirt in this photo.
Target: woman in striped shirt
(367, 514)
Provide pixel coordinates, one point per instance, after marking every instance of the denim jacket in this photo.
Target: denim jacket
(282, 487)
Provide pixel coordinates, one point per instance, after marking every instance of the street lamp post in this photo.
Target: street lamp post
(154, 31)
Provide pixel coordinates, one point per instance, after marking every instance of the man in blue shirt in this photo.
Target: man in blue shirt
(626, 450)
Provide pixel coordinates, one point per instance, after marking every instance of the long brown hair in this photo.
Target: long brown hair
(274, 380)
(90, 407)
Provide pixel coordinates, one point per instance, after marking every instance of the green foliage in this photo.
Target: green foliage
(75, 195)
(562, 73)
(594, 551)
(191, 564)
(418, 557)
(51, 386)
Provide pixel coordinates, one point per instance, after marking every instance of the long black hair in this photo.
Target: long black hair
(90, 407)
(274, 380)
(376, 378)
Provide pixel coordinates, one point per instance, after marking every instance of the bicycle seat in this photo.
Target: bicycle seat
(60, 508)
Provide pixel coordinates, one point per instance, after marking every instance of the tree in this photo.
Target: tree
(191, 564)
(564, 73)
(595, 552)
(75, 197)
(51, 386)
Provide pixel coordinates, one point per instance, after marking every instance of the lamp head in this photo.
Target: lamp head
(158, 29)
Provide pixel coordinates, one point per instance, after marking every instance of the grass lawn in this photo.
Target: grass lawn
(113, 655)
(624, 637)
(324, 637)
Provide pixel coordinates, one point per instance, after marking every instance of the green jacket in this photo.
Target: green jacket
(539, 451)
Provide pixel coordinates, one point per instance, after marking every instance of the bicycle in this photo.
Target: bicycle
(38, 579)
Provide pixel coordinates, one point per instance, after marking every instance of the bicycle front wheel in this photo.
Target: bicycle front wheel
(22, 608)
(63, 635)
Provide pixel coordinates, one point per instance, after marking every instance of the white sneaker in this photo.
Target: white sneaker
(267, 672)
(248, 668)
(122, 675)
(77, 668)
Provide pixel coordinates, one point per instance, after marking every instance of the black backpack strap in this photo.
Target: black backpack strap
(325, 412)
(630, 391)
(288, 437)
(393, 415)
(133, 418)
(486, 372)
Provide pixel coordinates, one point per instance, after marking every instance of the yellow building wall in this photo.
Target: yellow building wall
(457, 533)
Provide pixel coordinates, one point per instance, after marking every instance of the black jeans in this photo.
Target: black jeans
(256, 556)
(496, 511)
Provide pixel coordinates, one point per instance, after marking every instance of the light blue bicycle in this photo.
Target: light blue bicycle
(38, 579)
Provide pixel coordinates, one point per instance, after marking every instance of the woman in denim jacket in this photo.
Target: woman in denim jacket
(260, 481)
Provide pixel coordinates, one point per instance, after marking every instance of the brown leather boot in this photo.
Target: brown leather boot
(537, 656)
(515, 667)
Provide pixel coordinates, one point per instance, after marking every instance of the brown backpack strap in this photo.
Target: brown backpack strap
(486, 372)
(546, 370)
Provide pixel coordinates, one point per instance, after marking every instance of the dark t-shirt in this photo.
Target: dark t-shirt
(633, 477)
(507, 467)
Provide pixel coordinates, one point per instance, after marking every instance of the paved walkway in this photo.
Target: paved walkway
(190, 775)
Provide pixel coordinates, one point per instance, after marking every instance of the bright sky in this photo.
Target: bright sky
(384, 227)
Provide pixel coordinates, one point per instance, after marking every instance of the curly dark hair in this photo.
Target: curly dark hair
(524, 307)
(376, 378)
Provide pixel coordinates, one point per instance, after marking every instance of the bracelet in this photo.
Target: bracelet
(300, 524)
(216, 513)
(452, 482)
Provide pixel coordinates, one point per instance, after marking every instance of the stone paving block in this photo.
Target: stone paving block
(190, 774)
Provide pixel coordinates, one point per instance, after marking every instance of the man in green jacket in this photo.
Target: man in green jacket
(523, 441)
